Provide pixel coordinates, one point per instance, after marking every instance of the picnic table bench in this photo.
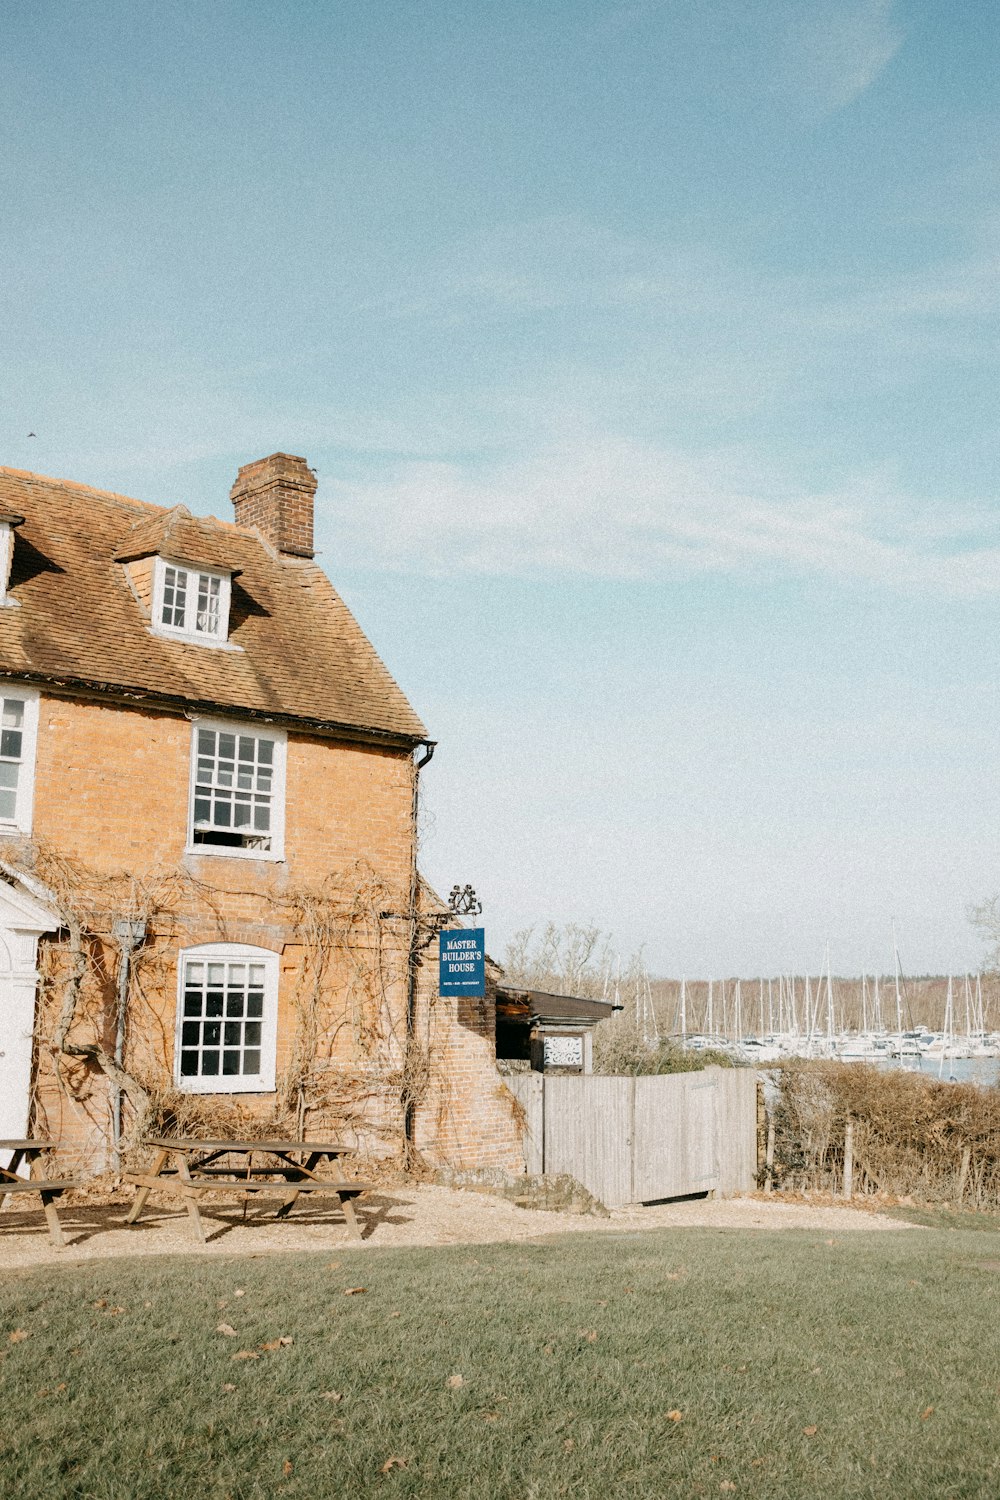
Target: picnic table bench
(285, 1169)
(26, 1153)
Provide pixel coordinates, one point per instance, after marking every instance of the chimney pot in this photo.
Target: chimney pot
(275, 495)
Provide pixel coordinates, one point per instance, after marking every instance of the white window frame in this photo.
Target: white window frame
(6, 561)
(276, 853)
(25, 799)
(233, 1083)
(189, 630)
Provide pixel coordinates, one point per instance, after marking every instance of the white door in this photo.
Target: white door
(17, 1019)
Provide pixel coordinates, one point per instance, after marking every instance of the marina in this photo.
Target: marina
(867, 1020)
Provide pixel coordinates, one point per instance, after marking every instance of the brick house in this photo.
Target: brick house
(210, 913)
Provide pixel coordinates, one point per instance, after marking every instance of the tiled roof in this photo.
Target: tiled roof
(302, 654)
(180, 536)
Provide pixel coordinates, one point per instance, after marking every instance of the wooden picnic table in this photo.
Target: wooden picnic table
(186, 1168)
(25, 1152)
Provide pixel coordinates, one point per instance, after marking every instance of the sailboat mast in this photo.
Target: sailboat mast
(949, 1026)
(809, 1017)
(967, 996)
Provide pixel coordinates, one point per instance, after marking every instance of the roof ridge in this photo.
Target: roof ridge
(74, 484)
(146, 505)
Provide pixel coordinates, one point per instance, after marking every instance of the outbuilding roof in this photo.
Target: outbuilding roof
(301, 654)
(539, 1008)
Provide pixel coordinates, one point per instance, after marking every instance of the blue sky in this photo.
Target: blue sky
(647, 355)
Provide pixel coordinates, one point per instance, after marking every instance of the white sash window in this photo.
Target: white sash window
(18, 735)
(237, 791)
(227, 1016)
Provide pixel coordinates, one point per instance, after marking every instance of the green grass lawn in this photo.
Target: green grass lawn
(866, 1366)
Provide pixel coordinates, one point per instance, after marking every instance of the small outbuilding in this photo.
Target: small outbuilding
(554, 1033)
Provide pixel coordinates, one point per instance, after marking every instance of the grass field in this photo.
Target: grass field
(690, 1362)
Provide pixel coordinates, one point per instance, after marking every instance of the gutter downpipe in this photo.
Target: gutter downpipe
(412, 961)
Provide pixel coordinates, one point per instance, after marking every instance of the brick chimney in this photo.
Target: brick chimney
(275, 494)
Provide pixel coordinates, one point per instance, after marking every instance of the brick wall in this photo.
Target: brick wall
(111, 799)
(140, 578)
(468, 1117)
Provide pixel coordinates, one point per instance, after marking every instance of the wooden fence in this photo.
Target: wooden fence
(638, 1140)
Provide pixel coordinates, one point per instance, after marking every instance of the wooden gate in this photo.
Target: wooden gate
(638, 1140)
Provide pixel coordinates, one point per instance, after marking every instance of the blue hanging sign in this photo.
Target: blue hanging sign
(463, 962)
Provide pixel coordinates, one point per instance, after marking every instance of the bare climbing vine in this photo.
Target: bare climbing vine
(353, 1057)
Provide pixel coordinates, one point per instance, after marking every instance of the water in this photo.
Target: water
(982, 1070)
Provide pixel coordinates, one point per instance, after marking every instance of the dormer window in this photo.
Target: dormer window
(191, 603)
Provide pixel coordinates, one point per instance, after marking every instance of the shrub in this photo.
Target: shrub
(619, 1048)
(911, 1133)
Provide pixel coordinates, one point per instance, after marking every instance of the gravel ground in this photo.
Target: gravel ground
(392, 1217)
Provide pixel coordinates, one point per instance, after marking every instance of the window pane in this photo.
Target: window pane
(255, 1006)
(227, 746)
(206, 742)
(192, 1003)
(174, 597)
(207, 617)
(10, 743)
(213, 1004)
(213, 1033)
(216, 973)
(13, 713)
(189, 1064)
(235, 1003)
(251, 1063)
(190, 1034)
(230, 1062)
(251, 1034)
(257, 975)
(8, 805)
(209, 1064)
(233, 1033)
(8, 773)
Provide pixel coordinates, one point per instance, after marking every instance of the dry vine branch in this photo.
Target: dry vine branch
(348, 936)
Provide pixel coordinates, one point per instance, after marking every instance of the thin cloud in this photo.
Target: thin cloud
(615, 509)
(837, 51)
